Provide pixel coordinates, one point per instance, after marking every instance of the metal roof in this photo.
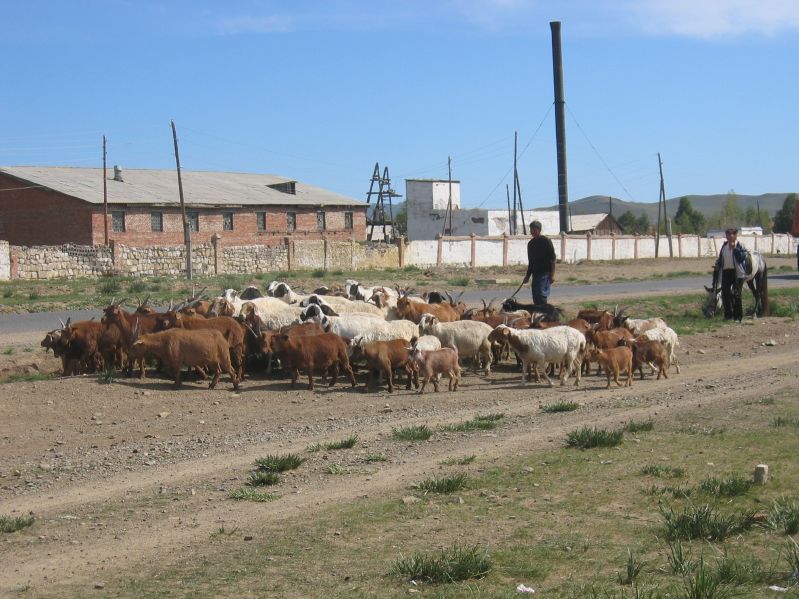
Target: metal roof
(587, 222)
(160, 187)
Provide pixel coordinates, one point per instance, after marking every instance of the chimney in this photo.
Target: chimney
(118, 174)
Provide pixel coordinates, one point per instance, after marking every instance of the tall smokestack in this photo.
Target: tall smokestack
(560, 127)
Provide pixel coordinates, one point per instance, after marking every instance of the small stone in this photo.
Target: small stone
(45, 466)
(701, 351)
(770, 343)
(458, 500)
(163, 414)
(99, 585)
(410, 499)
(248, 538)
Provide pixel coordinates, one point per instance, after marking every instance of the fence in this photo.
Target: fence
(51, 262)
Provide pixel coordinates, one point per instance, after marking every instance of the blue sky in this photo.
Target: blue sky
(321, 90)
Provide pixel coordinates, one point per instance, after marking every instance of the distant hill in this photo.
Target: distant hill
(707, 205)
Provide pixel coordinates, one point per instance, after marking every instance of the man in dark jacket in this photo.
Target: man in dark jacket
(732, 264)
(541, 264)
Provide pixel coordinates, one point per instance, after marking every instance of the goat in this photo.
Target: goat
(534, 347)
(176, 348)
(615, 360)
(385, 357)
(468, 337)
(550, 313)
(637, 326)
(325, 352)
(646, 351)
(670, 340)
(432, 363)
(414, 310)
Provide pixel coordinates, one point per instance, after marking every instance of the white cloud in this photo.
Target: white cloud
(714, 18)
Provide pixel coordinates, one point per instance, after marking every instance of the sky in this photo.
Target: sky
(321, 90)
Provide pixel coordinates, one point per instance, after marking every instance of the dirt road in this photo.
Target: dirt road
(124, 477)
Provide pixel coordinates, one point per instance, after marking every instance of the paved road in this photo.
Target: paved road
(40, 322)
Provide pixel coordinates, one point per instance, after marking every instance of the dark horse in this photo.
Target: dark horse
(758, 284)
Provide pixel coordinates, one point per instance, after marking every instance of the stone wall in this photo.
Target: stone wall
(163, 260)
(255, 258)
(5, 261)
(60, 261)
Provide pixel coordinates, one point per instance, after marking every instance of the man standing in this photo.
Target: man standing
(731, 262)
(541, 264)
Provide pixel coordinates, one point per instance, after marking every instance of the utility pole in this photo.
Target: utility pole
(521, 206)
(105, 197)
(662, 202)
(186, 226)
(449, 202)
(511, 223)
(515, 138)
(560, 127)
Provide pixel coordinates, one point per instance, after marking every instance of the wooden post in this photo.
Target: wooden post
(440, 249)
(679, 245)
(698, 246)
(289, 252)
(772, 242)
(352, 253)
(588, 245)
(326, 259)
(635, 246)
(474, 250)
(401, 251)
(186, 226)
(505, 251)
(105, 198)
(216, 244)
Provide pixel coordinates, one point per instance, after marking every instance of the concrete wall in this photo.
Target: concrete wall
(5, 261)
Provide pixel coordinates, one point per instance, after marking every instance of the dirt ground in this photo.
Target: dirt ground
(121, 476)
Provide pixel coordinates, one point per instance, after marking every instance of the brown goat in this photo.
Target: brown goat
(436, 362)
(615, 360)
(647, 351)
(413, 311)
(81, 343)
(384, 356)
(204, 349)
(323, 352)
(126, 321)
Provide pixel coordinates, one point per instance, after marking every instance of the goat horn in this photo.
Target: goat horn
(63, 326)
(484, 304)
(146, 301)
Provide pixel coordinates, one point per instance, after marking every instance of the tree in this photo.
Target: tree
(401, 222)
(627, 222)
(783, 220)
(688, 220)
(642, 224)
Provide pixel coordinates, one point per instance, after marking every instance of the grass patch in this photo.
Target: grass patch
(478, 423)
(26, 377)
(784, 516)
(442, 485)
(110, 286)
(375, 457)
(15, 523)
(560, 406)
(106, 377)
(260, 478)
(251, 495)
(347, 443)
(8, 351)
(785, 421)
(678, 492)
(662, 471)
(460, 281)
(703, 522)
(412, 433)
(632, 571)
(730, 486)
(588, 437)
(643, 426)
(279, 463)
(8, 292)
(450, 565)
(459, 461)
(34, 295)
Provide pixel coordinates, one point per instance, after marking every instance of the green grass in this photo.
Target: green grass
(106, 377)
(443, 484)
(279, 463)
(21, 377)
(34, 295)
(781, 421)
(412, 433)
(784, 516)
(14, 523)
(639, 427)
(461, 281)
(450, 565)
(375, 457)
(703, 522)
(251, 495)
(730, 486)
(8, 291)
(560, 406)
(8, 351)
(478, 423)
(458, 461)
(663, 471)
(588, 437)
(260, 478)
(343, 444)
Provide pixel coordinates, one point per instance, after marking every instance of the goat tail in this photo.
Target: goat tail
(764, 308)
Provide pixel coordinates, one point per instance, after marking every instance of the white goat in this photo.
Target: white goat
(273, 315)
(342, 305)
(536, 347)
(348, 326)
(637, 326)
(468, 337)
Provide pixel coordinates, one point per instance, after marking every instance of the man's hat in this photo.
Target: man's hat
(536, 224)
(731, 230)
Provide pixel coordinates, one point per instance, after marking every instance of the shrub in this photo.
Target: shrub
(343, 444)
(443, 485)
(251, 495)
(259, 478)
(639, 427)
(450, 565)
(278, 463)
(412, 433)
(15, 523)
(587, 437)
(731, 486)
(560, 406)
(703, 522)
(784, 516)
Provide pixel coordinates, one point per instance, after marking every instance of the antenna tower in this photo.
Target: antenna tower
(381, 196)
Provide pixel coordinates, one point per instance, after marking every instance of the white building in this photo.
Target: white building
(427, 200)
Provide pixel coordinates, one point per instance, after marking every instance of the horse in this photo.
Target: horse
(757, 281)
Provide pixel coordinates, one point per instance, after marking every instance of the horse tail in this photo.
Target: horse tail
(764, 294)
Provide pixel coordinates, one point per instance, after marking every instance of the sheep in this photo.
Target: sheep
(468, 337)
(430, 364)
(273, 313)
(615, 360)
(341, 305)
(534, 347)
(347, 325)
(669, 339)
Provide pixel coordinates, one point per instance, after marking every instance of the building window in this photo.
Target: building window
(320, 221)
(157, 221)
(227, 221)
(291, 221)
(287, 187)
(194, 220)
(118, 221)
(348, 221)
(260, 218)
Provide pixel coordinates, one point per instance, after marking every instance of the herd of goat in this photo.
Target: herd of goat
(385, 329)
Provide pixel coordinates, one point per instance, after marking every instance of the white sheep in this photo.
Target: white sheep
(468, 337)
(273, 314)
(342, 305)
(537, 347)
(348, 326)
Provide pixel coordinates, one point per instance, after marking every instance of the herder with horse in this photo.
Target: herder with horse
(736, 265)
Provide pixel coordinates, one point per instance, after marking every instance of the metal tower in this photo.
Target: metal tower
(376, 212)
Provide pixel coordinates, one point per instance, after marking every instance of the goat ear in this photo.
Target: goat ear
(708, 289)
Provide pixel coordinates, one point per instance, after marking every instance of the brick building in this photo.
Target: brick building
(57, 205)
